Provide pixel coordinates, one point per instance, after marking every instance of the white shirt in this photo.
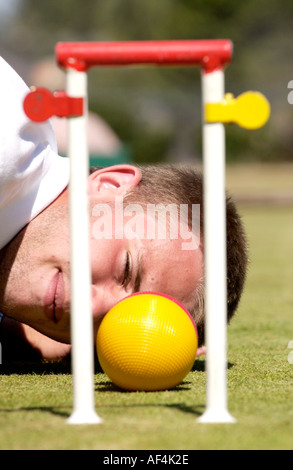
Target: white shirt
(32, 174)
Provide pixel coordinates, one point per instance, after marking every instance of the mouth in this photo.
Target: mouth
(54, 298)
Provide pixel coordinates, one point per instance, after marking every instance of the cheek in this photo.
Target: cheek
(105, 257)
(192, 270)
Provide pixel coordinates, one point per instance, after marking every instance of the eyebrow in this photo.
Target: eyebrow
(139, 275)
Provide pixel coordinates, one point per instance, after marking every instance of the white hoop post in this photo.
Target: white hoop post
(215, 255)
(81, 307)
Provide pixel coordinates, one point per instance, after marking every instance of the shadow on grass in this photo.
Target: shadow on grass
(194, 410)
(47, 409)
(108, 386)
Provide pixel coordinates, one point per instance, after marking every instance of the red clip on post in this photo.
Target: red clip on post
(40, 104)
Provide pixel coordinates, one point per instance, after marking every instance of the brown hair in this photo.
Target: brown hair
(167, 184)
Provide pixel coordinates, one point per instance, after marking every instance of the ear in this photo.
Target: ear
(117, 179)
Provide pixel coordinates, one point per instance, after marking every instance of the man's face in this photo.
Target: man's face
(38, 287)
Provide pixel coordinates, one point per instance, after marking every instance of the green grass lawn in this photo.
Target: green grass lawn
(36, 401)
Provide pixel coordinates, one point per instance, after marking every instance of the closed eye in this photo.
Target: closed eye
(127, 272)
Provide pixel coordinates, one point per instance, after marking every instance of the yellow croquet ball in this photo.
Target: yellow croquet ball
(148, 341)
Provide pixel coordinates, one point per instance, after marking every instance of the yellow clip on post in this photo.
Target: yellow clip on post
(250, 110)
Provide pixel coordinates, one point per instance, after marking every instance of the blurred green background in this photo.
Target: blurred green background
(156, 112)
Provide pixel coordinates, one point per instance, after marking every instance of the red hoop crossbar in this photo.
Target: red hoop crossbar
(208, 54)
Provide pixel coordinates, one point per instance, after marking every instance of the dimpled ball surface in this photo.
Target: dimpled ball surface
(147, 342)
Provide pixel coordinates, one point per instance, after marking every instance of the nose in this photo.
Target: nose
(103, 299)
